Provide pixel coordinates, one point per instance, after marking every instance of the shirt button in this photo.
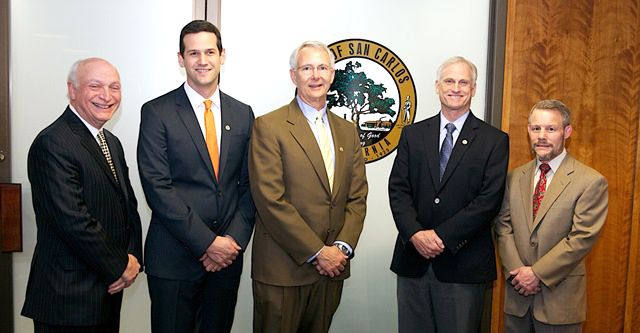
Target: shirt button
(436, 201)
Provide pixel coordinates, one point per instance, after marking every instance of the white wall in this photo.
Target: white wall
(141, 39)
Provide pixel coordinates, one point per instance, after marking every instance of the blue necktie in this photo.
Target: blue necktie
(447, 147)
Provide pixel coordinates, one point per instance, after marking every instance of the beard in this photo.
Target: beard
(550, 155)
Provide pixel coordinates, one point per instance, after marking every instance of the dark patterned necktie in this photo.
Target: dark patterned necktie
(447, 147)
(107, 155)
(541, 187)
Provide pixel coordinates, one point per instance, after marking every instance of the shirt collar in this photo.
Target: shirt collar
(94, 131)
(555, 162)
(196, 99)
(310, 112)
(458, 123)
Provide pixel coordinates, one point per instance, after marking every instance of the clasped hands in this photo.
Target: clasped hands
(428, 244)
(330, 261)
(525, 281)
(127, 278)
(220, 254)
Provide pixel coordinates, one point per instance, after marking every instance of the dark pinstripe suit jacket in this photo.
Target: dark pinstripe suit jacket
(87, 223)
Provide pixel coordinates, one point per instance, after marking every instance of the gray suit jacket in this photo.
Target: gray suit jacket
(555, 244)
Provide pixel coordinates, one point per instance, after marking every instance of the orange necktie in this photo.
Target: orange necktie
(212, 140)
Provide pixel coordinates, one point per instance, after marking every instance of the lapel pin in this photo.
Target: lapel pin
(464, 141)
(341, 149)
(227, 127)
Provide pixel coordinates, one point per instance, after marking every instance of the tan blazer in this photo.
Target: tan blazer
(555, 244)
(297, 212)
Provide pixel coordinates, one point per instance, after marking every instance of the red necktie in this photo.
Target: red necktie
(541, 187)
(211, 139)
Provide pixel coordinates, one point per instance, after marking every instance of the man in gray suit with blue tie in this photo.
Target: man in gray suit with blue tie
(89, 235)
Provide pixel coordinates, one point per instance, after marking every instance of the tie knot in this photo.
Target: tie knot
(101, 135)
(207, 105)
(450, 128)
(544, 168)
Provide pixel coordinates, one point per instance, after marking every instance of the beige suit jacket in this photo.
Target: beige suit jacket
(555, 244)
(297, 212)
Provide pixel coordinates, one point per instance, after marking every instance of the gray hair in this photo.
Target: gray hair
(73, 73)
(293, 60)
(554, 105)
(455, 60)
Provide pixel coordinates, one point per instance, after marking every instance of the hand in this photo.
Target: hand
(330, 261)
(525, 281)
(127, 278)
(428, 244)
(220, 254)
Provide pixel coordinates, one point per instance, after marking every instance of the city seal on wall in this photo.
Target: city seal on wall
(375, 91)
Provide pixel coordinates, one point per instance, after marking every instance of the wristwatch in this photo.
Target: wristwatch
(344, 250)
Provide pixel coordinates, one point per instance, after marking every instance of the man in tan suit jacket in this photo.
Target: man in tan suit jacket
(543, 243)
(308, 182)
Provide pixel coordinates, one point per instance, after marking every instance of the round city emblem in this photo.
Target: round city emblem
(375, 91)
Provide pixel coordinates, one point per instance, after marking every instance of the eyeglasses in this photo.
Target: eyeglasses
(308, 69)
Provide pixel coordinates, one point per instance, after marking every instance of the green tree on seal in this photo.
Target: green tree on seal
(359, 93)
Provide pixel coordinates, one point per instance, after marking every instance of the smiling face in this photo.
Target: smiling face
(97, 95)
(313, 85)
(456, 88)
(547, 134)
(202, 60)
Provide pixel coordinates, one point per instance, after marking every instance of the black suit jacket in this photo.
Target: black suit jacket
(190, 207)
(87, 223)
(460, 209)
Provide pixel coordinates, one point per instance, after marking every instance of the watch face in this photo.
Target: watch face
(343, 249)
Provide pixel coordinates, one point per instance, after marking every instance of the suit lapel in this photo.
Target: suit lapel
(119, 164)
(526, 188)
(89, 143)
(186, 113)
(431, 135)
(299, 128)
(560, 181)
(465, 139)
(226, 126)
(339, 138)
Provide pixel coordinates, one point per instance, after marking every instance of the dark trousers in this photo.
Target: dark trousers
(112, 324)
(428, 305)
(304, 309)
(207, 305)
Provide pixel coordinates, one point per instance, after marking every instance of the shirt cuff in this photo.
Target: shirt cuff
(315, 255)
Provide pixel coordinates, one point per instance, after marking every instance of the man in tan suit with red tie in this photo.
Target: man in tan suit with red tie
(552, 213)
(308, 183)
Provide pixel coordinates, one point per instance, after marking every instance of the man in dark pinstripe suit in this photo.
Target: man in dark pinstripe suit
(89, 243)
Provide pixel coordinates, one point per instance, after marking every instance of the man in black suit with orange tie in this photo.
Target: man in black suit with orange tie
(192, 158)
(89, 242)
(445, 188)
